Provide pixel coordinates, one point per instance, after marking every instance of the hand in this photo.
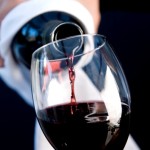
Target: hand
(93, 7)
(6, 6)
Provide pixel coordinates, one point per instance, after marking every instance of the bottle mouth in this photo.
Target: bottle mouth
(64, 30)
(56, 30)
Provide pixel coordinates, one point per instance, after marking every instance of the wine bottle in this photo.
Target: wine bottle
(40, 30)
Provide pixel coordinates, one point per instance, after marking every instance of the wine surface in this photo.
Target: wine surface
(78, 126)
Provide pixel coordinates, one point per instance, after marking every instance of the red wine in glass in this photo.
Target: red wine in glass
(74, 131)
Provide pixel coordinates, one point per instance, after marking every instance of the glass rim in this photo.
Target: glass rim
(72, 37)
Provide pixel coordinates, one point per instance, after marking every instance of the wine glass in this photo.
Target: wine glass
(80, 93)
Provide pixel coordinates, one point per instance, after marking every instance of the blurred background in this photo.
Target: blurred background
(126, 25)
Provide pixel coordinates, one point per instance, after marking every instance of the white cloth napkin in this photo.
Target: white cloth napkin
(20, 15)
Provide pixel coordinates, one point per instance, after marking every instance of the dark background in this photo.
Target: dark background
(126, 24)
(127, 27)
